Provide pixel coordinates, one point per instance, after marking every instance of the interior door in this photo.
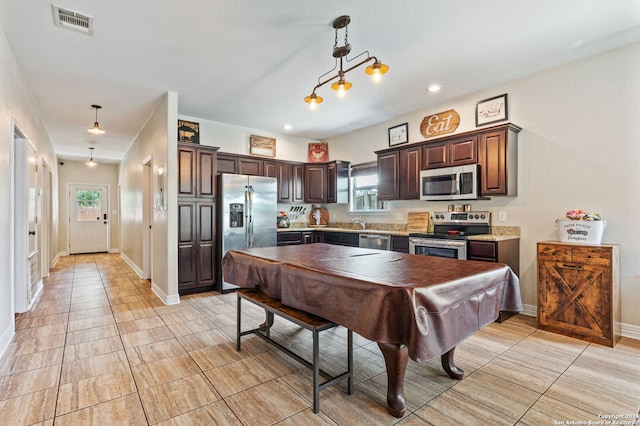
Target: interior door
(88, 218)
(33, 208)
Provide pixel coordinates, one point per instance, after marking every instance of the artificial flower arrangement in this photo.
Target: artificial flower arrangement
(582, 215)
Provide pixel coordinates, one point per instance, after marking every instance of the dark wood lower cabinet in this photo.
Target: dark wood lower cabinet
(196, 246)
(400, 243)
(504, 251)
(292, 238)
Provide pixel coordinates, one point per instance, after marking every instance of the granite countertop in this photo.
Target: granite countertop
(349, 230)
(500, 233)
(492, 237)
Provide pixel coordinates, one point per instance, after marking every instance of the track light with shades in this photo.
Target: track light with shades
(96, 129)
(375, 70)
(91, 162)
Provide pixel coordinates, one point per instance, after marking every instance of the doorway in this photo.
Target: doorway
(26, 255)
(88, 218)
(147, 219)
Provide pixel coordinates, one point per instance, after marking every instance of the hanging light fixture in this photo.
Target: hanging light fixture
(91, 162)
(375, 70)
(96, 129)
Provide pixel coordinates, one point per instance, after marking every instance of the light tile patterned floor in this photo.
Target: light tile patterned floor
(99, 348)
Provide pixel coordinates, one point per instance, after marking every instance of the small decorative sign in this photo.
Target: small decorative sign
(399, 134)
(440, 123)
(261, 145)
(491, 110)
(188, 131)
(318, 152)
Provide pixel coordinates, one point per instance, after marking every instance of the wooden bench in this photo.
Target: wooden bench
(305, 320)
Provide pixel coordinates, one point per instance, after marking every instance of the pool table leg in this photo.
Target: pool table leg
(449, 366)
(395, 358)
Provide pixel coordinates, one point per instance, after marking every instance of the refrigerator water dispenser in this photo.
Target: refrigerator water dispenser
(236, 215)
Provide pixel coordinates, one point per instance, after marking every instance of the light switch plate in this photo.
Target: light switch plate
(502, 216)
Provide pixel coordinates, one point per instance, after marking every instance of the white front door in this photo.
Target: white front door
(88, 219)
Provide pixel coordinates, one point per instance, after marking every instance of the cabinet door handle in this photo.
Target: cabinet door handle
(569, 266)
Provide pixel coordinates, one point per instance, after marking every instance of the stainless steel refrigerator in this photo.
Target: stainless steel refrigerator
(247, 213)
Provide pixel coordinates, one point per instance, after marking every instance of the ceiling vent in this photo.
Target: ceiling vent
(73, 20)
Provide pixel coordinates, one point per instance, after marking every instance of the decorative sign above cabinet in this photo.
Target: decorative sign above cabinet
(262, 145)
(440, 123)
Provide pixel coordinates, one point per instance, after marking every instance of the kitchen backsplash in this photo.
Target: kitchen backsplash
(395, 227)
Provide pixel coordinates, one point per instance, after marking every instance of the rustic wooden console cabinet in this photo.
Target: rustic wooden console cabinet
(579, 291)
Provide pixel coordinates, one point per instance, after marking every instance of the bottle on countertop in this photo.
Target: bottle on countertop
(430, 226)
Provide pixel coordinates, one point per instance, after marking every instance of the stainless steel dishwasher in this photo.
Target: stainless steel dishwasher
(375, 241)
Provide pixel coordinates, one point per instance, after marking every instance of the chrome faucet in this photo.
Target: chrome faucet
(360, 221)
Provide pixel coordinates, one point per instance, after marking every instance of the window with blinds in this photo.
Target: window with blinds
(364, 189)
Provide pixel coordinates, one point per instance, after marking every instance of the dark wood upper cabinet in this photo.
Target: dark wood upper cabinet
(205, 173)
(493, 148)
(409, 179)
(270, 169)
(463, 151)
(290, 180)
(338, 182)
(297, 183)
(196, 171)
(435, 155)
(389, 175)
(399, 174)
(498, 159)
(239, 164)
(227, 163)
(250, 166)
(315, 183)
(454, 152)
(186, 171)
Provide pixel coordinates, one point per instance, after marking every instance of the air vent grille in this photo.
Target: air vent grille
(73, 20)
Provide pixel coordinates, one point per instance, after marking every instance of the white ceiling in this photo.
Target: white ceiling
(251, 62)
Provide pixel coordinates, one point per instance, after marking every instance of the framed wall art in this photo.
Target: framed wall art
(262, 145)
(491, 110)
(188, 131)
(399, 134)
(318, 152)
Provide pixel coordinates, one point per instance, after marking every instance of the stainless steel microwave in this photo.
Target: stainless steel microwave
(450, 183)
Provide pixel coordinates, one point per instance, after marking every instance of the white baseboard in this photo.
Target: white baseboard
(132, 265)
(166, 299)
(630, 331)
(529, 310)
(627, 330)
(39, 288)
(55, 260)
(6, 336)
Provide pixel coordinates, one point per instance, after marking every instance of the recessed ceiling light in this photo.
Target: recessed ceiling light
(287, 127)
(433, 88)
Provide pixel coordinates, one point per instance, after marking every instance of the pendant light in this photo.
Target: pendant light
(96, 129)
(340, 53)
(91, 162)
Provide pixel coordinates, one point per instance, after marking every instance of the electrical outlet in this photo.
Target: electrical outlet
(399, 216)
(502, 216)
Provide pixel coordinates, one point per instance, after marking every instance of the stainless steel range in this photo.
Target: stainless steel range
(450, 231)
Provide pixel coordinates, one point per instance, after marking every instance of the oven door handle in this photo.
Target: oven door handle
(438, 243)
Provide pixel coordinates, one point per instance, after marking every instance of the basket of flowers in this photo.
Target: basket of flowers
(581, 227)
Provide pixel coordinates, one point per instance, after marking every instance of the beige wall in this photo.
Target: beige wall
(235, 139)
(75, 172)
(16, 104)
(157, 138)
(579, 149)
